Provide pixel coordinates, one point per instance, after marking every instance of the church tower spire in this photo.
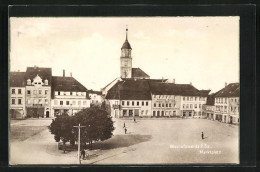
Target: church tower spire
(126, 59)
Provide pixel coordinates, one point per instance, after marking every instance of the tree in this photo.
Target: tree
(98, 122)
(62, 127)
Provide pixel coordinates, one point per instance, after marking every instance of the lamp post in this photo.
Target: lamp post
(79, 140)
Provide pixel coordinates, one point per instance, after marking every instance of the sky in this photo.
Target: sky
(203, 51)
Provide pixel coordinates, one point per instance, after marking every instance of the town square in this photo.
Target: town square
(123, 96)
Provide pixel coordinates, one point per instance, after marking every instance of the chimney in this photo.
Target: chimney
(225, 84)
(190, 83)
(70, 74)
(173, 81)
(63, 72)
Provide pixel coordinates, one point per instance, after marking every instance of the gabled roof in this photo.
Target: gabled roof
(138, 73)
(142, 89)
(44, 73)
(231, 90)
(60, 83)
(204, 93)
(211, 100)
(17, 79)
(130, 90)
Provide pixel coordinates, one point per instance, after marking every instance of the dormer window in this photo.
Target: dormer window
(45, 82)
(29, 82)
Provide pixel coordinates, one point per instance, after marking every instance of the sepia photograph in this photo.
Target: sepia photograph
(124, 90)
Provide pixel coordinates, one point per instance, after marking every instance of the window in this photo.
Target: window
(79, 102)
(137, 103)
(154, 113)
(40, 101)
(170, 105)
(13, 101)
(199, 105)
(67, 102)
(159, 104)
(28, 91)
(46, 92)
(183, 98)
(127, 103)
(195, 105)
(166, 105)
(195, 98)
(162, 104)
(191, 98)
(61, 102)
(142, 103)
(154, 105)
(235, 100)
(133, 103)
(35, 83)
(183, 106)
(142, 112)
(13, 91)
(39, 83)
(123, 103)
(40, 91)
(191, 106)
(19, 101)
(71, 93)
(19, 91)
(187, 106)
(146, 103)
(231, 100)
(58, 93)
(34, 92)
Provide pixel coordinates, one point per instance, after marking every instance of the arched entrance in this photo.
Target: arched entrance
(47, 114)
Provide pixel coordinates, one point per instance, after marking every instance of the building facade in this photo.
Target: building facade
(17, 95)
(95, 97)
(68, 96)
(38, 92)
(227, 104)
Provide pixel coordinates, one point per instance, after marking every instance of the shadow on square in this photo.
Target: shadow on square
(119, 141)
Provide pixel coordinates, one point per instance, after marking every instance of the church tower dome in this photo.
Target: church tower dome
(126, 59)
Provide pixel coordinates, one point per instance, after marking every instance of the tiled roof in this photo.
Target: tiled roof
(138, 73)
(211, 100)
(141, 89)
(231, 90)
(130, 90)
(17, 79)
(60, 83)
(44, 73)
(204, 93)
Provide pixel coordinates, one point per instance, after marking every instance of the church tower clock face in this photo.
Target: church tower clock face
(126, 59)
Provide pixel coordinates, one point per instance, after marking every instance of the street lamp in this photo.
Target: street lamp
(79, 140)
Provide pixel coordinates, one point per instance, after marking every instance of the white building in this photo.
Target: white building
(227, 104)
(68, 96)
(95, 97)
(17, 95)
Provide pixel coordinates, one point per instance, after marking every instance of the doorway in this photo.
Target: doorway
(47, 114)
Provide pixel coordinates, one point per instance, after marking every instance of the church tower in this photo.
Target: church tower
(126, 59)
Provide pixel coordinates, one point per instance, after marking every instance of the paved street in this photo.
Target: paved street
(146, 142)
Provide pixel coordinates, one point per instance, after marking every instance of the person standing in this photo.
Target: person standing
(83, 154)
(202, 135)
(134, 119)
(125, 130)
(124, 125)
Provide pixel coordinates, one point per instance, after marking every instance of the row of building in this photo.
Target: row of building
(36, 93)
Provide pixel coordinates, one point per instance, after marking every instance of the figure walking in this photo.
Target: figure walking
(124, 125)
(125, 130)
(83, 154)
(202, 135)
(134, 119)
